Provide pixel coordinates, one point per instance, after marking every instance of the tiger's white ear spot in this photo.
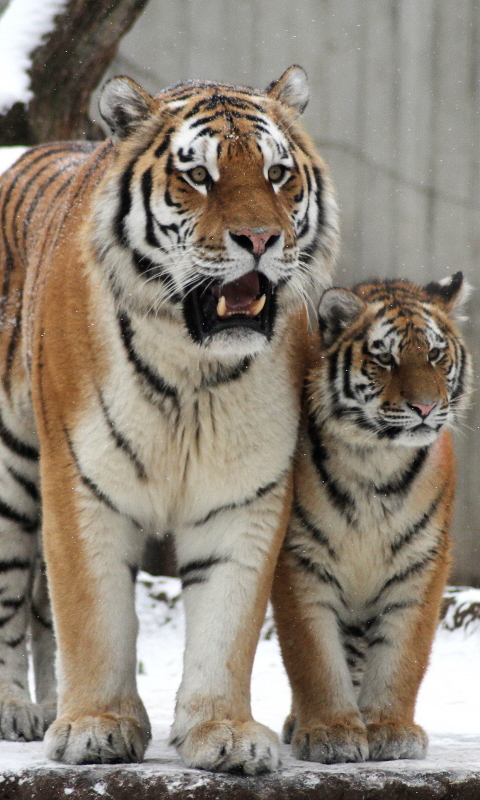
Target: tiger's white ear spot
(451, 293)
(123, 104)
(337, 310)
(291, 88)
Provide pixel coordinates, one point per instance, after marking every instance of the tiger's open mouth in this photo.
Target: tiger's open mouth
(248, 302)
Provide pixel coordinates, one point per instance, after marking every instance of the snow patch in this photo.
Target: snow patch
(8, 155)
(22, 26)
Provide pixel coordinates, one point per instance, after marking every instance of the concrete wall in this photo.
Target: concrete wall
(394, 110)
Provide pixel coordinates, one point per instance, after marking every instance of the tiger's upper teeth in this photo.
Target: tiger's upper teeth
(222, 307)
(257, 306)
(252, 311)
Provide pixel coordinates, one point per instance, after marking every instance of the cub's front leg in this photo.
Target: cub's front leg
(226, 563)
(91, 551)
(401, 641)
(325, 724)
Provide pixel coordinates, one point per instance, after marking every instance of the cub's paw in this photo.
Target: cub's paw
(330, 744)
(21, 720)
(391, 740)
(103, 739)
(246, 748)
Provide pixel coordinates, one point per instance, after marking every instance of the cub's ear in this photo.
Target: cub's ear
(291, 89)
(123, 104)
(450, 293)
(337, 310)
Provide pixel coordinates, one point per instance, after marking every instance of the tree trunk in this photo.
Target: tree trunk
(65, 70)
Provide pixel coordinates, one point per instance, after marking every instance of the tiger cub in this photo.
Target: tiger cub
(151, 343)
(360, 576)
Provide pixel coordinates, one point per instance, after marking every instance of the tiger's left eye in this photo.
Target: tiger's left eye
(276, 173)
(385, 359)
(433, 354)
(198, 175)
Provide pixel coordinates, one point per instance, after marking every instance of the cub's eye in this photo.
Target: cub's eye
(434, 354)
(385, 359)
(199, 175)
(276, 173)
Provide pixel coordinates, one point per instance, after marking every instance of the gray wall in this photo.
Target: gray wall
(395, 111)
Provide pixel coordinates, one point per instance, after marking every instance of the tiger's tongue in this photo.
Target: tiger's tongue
(240, 294)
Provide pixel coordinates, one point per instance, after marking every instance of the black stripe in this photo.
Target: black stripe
(29, 486)
(402, 484)
(13, 602)
(402, 576)
(341, 499)
(11, 349)
(14, 563)
(153, 380)
(14, 642)
(95, 490)
(263, 490)
(7, 512)
(158, 153)
(353, 650)
(150, 237)
(347, 364)
(121, 442)
(45, 623)
(317, 534)
(223, 376)
(323, 575)
(420, 525)
(200, 564)
(125, 204)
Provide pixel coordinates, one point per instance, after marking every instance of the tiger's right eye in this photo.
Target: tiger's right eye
(198, 175)
(385, 359)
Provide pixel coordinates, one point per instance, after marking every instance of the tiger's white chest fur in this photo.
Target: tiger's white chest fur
(217, 434)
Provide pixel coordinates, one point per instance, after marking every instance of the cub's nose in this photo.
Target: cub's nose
(423, 408)
(255, 241)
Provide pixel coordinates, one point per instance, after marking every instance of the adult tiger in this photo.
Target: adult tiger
(152, 335)
(365, 559)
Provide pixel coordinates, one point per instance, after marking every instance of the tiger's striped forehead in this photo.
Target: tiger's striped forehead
(217, 133)
(394, 332)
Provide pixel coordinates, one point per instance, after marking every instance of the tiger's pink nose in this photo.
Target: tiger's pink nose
(423, 409)
(256, 242)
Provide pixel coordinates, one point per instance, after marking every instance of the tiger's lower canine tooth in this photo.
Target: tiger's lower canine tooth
(222, 307)
(257, 305)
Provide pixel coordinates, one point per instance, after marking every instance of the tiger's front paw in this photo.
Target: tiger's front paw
(391, 740)
(21, 720)
(330, 744)
(246, 748)
(103, 739)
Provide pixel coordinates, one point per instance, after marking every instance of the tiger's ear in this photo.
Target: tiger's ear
(450, 293)
(337, 310)
(123, 104)
(291, 89)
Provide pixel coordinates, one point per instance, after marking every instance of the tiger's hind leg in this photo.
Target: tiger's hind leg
(43, 643)
(20, 718)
